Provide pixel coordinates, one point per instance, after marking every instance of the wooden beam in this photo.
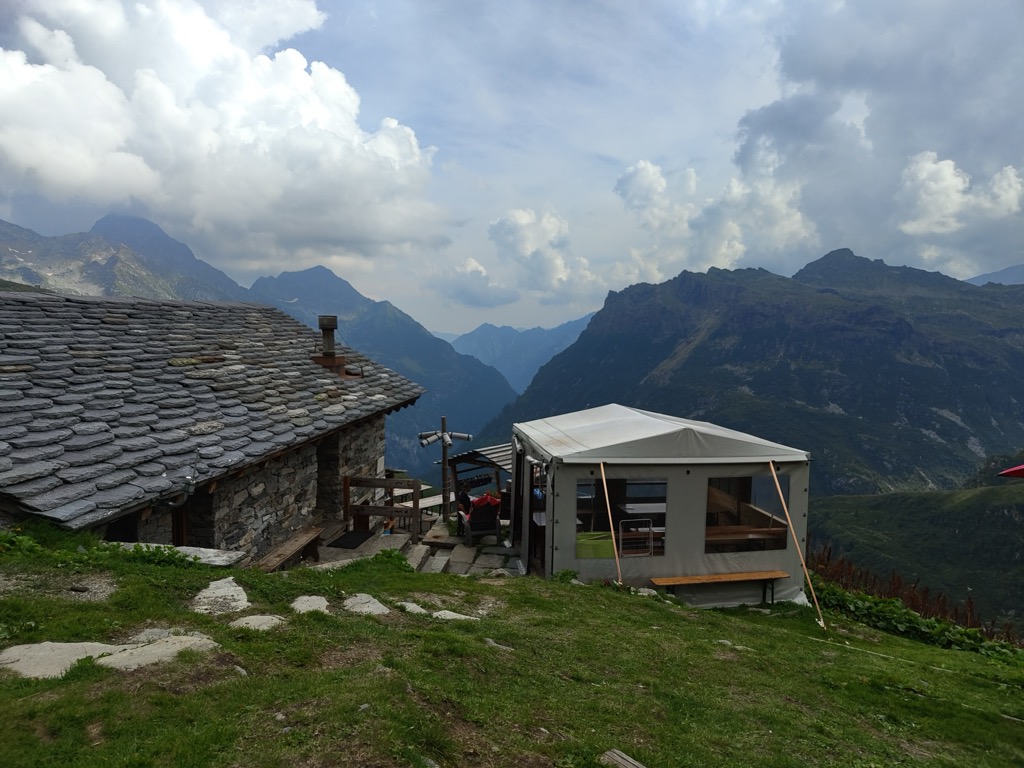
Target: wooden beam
(384, 482)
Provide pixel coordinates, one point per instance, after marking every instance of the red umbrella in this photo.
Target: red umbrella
(1013, 472)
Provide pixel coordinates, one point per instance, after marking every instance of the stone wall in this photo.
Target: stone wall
(261, 508)
(155, 527)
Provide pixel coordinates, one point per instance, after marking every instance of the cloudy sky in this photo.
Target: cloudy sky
(512, 162)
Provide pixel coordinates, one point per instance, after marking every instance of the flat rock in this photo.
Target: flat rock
(453, 616)
(463, 554)
(216, 557)
(152, 653)
(417, 556)
(435, 564)
(309, 604)
(54, 659)
(365, 604)
(413, 608)
(489, 561)
(222, 596)
(260, 622)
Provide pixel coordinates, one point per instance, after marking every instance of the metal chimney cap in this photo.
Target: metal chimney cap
(327, 322)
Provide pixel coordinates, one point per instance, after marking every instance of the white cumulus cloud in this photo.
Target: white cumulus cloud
(756, 210)
(469, 285)
(537, 244)
(181, 111)
(944, 201)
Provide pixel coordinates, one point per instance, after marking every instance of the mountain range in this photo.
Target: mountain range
(124, 255)
(517, 353)
(893, 378)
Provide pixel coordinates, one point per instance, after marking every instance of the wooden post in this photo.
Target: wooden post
(346, 500)
(611, 523)
(796, 542)
(446, 502)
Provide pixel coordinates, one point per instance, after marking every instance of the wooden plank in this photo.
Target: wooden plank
(281, 553)
(382, 511)
(384, 482)
(724, 531)
(431, 501)
(718, 578)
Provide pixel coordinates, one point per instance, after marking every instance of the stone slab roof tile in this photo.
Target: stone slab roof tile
(34, 487)
(90, 455)
(136, 458)
(38, 453)
(65, 494)
(236, 444)
(259, 447)
(24, 471)
(14, 418)
(36, 439)
(137, 387)
(114, 479)
(81, 442)
(153, 483)
(72, 510)
(83, 474)
(117, 497)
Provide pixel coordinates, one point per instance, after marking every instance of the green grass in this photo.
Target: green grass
(584, 670)
(960, 543)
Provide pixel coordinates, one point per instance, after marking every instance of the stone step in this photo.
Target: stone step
(436, 563)
(416, 555)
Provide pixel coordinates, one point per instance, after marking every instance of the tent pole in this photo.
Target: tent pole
(611, 523)
(799, 551)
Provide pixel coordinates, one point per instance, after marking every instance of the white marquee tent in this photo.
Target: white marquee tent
(616, 490)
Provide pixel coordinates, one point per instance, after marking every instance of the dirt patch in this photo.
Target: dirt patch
(87, 587)
(457, 602)
(351, 656)
(94, 733)
(180, 679)
(488, 605)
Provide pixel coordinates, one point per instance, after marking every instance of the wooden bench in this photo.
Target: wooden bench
(306, 542)
(767, 579)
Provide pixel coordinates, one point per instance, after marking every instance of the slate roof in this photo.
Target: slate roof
(107, 404)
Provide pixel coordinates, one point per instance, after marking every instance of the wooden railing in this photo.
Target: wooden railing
(360, 513)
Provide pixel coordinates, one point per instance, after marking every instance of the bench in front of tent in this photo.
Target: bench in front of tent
(767, 579)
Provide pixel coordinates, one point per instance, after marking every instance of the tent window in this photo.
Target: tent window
(744, 514)
(637, 515)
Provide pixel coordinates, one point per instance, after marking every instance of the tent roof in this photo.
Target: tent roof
(499, 456)
(616, 433)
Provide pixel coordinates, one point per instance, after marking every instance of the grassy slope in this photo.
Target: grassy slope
(952, 541)
(586, 669)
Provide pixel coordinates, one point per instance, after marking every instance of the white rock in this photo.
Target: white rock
(161, 650)
(412, 608)
(262, 622)
(310, 603)
(452, 616)
(222, 596)
(365, 604)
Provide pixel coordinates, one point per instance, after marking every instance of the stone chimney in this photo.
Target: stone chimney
(329, 359)
(328, 325)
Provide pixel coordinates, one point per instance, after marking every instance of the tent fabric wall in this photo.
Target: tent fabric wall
(686, 455)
